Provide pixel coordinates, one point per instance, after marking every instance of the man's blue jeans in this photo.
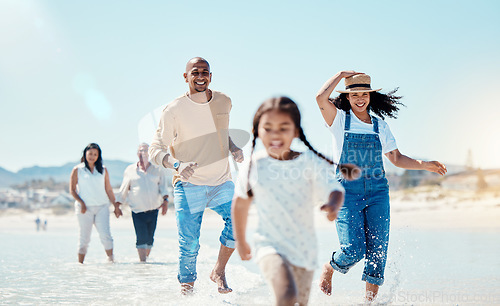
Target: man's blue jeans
(190, 202)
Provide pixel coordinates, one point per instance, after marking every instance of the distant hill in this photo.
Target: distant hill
(8, 178)
(58, 173)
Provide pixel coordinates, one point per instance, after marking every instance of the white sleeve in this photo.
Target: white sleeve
(389, 142)
(162, 184)
(324, 182)
(122, 194)
(162, 138)
(338, 122)
(241, 186)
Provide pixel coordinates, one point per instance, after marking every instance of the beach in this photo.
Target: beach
(442, 251)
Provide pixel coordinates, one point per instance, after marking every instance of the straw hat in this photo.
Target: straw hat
(358, 83)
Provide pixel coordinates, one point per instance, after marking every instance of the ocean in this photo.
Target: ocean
(425, 267)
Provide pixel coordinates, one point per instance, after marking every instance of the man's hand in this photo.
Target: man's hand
(238, 155)
(186, 169)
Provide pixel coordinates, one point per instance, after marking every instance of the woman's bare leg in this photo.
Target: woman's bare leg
(371, 292)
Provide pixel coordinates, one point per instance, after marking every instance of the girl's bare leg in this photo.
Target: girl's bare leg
(279, 276)
(325, 280)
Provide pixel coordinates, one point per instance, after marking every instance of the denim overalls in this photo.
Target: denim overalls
(363, 221)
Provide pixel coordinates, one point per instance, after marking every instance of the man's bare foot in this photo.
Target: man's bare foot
(187, 288)
(325, 280)
(220, 280)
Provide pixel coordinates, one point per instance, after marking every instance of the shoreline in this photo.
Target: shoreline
(477, 216)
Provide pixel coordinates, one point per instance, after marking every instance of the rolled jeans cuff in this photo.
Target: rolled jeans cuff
(187, 278)
(144, 246)
(337, 267)
(229, 243)
(373, 280)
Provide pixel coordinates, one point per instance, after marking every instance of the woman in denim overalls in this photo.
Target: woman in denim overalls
(361, 139)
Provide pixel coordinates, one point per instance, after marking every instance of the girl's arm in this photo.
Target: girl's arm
(328, 110)
(335, 202)
(405, 162)
(240, 208)
(111, 195)
(73, 181)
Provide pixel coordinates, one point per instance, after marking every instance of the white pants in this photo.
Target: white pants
(98, 216)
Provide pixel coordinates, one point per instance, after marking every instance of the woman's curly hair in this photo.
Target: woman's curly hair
(380, 104)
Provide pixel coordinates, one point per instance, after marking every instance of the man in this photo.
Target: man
(192, 138)
(145, 186)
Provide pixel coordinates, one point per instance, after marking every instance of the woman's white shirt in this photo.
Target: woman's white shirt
(359, 127)
(285, 195)
(91, 187)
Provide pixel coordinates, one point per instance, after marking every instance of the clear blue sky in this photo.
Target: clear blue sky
(74, 72)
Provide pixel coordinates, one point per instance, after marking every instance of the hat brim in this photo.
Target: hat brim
(358, 90)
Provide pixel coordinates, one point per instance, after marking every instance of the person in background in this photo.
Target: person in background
(89, 185)
(144, 189)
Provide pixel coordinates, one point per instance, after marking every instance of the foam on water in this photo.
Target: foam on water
(424, 267)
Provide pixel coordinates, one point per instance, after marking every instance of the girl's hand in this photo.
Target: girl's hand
(83, 208)
(349, 73)
(244, 250)
(335, 202)
(436, 167)
(238, 156)
(331, 211)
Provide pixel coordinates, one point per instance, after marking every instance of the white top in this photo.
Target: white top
(359, 127)
(145, 190)
(285, 195)
(91, 187)
(196, 132)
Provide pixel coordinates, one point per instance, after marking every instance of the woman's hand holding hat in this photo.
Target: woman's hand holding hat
(349, 73)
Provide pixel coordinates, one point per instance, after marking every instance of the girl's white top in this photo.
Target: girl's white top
(286, 194)
(91, 187)
(359, 127)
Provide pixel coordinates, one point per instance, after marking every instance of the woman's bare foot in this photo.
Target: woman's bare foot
(325, 280)
(220, 280)
(371, 293)
(187, 288)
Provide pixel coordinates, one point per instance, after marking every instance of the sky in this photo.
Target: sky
(75, 72)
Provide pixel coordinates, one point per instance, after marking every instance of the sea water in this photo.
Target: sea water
(433, 267)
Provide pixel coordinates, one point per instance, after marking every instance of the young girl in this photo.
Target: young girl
(89, 185)
(360, 138)
(284, 185)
